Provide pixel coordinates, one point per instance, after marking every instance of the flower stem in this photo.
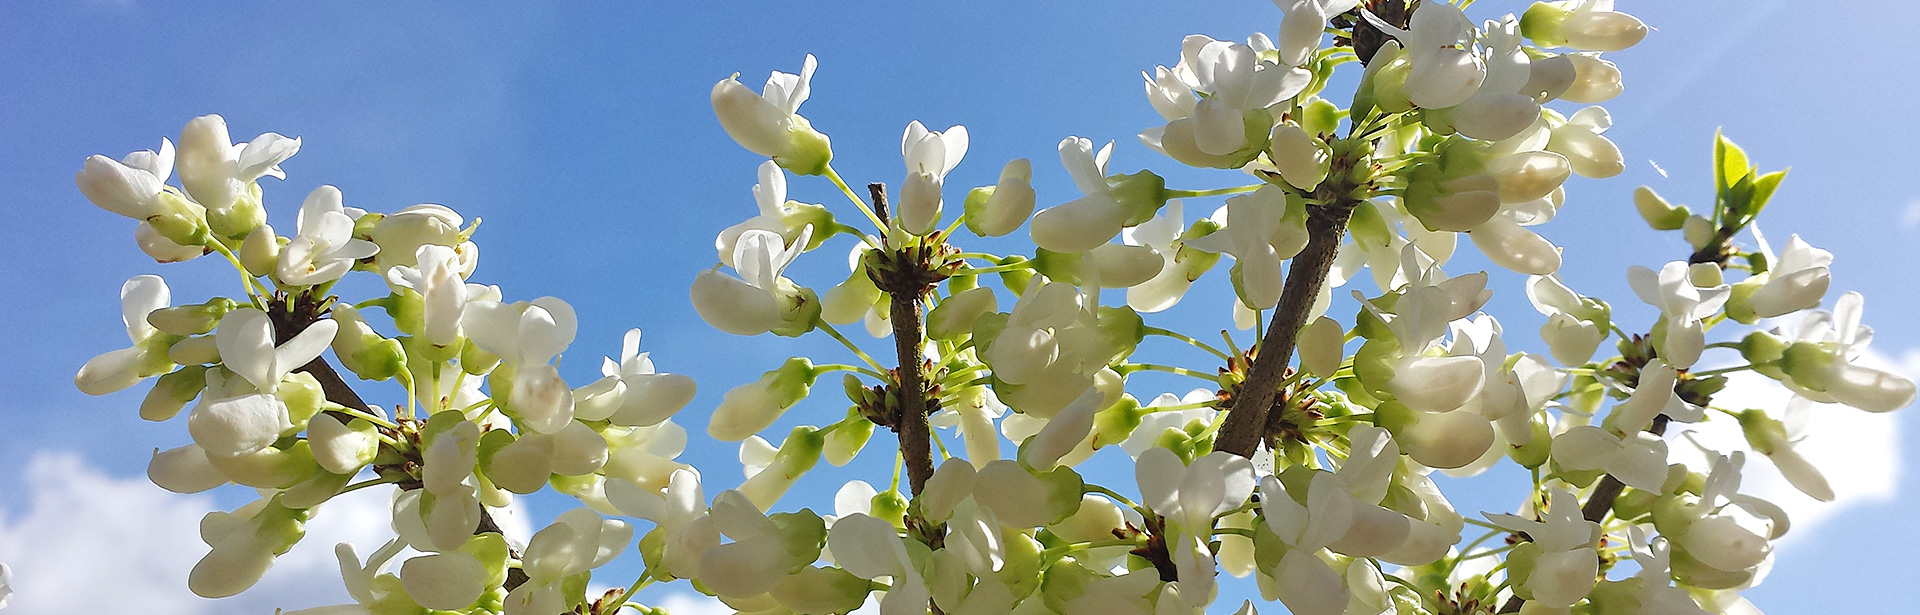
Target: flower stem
(871, 217)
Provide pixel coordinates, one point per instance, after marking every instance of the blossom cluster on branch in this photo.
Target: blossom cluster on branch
(1315, 477)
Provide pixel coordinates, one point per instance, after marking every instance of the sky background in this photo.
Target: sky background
(582, 134)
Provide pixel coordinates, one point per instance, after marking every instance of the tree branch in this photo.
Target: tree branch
(1246, 422)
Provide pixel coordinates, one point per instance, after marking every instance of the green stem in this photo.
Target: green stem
(646, 578)
(1188, 194)
(1136, 367)
(849, 344)
(857, 202)
(1188, 339)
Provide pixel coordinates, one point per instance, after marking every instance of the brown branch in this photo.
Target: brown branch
(1246, 422)
(906, 281)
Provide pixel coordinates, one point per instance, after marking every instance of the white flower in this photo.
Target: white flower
(130, 186)
(1445, 70)
(750, 304)
(324, 248)
(401, 234)
(525, 465)
(1796, 281)
(184, 469)
(770, 196)
(1579, 140)
(1190, 497)
(119, 369)
(869, 548)
(234, 419)
(679, 514)
(1684, 303)
(1162, 235)
(929, 157)
(1499, 108)
(769, 123)
(216, 171)
(1007, 204)
(578, 541)
(1232, 82)
(1777, 439)
(1829, 373)
(444, 292)
(1591, 25)
(630, 392)
(1730, 531)
(1574, 326)
(444, 581)
(1639, 460)
(1654, 395)
(1595, 80)
(528, 337)
(1567, 565)
(1658, 596)
(1304, 25)
(1262, 230)
(163, 250)
(1085, 223)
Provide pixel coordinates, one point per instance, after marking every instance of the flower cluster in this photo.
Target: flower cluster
(1320, 479)
(481, 413)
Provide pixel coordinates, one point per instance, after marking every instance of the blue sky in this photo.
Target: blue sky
(582, 134)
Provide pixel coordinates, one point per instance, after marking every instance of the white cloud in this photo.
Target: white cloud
(1859, 452)
(1910, 217)
(86, 536)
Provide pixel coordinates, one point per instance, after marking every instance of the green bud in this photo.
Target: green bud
(1368, 226)
(1659, 214)
(197, 350)
(1674, 514)
(801, 215)
(1115, 423)
(954, 316)
(1142, 193)
(1809, 364)
(808, 152)
(186, 320)
(1633, 503)
(408, 310)
(475, 361)
(890, 505)
(303, 396)
(1763, 433)
(1542, 23)
(314, 491)
(1320, 116)
(269, 468)
(845, 440)
(237, 221)
(172, 392)
(1122, 328)
(799, 310)
(821, 590)
(1015, 279)
(183, 222)
(1534, 453)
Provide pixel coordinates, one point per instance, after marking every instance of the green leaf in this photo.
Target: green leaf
(1763, 188)
(1729, 163)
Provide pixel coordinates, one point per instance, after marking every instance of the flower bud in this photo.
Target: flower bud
(401, 234)
(1697, 231)
(954, 316)
(260, 252)
(751, 407)
(999, 209)
(1321, 347)
(1590, 154)
(444, 581)
(1124, 266)
(845, 441)
(342, 448)
(1596, 80)
(184, 470)
(1300, 158)
(172, 392)
(1528, 176)
(188, 320)
(1657, 212)
(1021, 498)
